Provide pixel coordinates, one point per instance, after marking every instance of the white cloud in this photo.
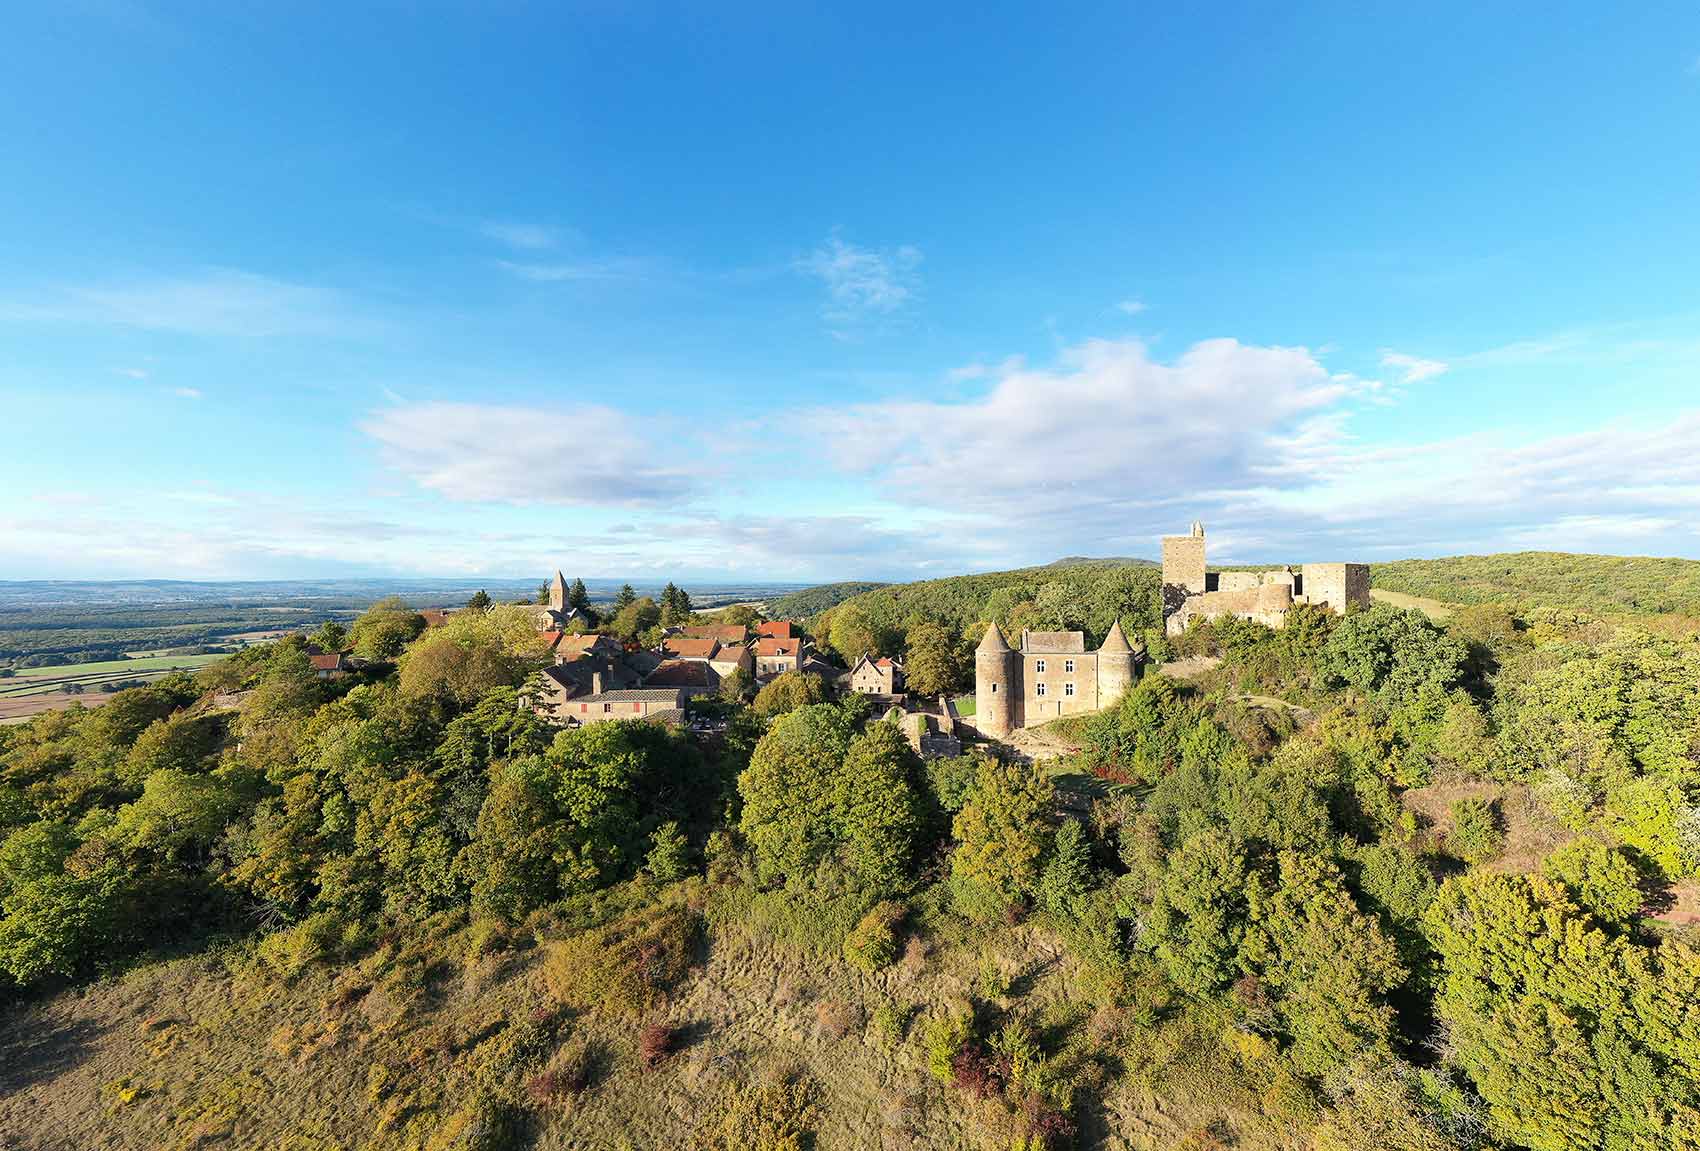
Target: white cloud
(1414, 368)
(132, 373)
(216, 302)
(862, 283)
(527, 237)
(583, 455)
(1100, 429)
(1130, 307)
(186, 393)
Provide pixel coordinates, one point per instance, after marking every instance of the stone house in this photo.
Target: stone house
(876, 676)
(733, 657)
(776, 656)
(330, 665)
(658, 704)
(1191, 591)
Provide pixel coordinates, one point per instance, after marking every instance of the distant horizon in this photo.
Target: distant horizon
(716, 582)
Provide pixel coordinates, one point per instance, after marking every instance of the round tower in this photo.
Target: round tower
(1116, 666)
(997, 685)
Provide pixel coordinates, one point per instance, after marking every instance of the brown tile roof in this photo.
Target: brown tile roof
(770, 646)
(579, 644)
(436, 616)
(725, 633)
(682, 673)
(686, 648)
(331, 662)
(777, 629)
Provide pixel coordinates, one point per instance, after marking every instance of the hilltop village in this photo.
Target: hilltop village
(595, 677)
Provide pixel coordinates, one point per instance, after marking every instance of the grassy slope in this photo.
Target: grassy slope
(1635, 585)
(195, 1052)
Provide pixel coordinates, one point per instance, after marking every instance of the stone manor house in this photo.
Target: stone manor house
(1050, 674)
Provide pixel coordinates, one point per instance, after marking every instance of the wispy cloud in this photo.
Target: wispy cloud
(862, 283)
(1412, 369)
(132, 373)
(1130, 307)
(585, 455)
(186, 393)
(526, 237)
(215, 302)
(554, 273)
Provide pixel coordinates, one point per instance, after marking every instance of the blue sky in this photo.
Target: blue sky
(803, 293)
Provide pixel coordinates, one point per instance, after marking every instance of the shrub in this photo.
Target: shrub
(891, 1022)
(655, 1044)
(945, 1035)
(837, 1017)
(567, 1075)
(779, 1114)
(669, 854)
(1475, 836)
(626, 967)
(872, 943)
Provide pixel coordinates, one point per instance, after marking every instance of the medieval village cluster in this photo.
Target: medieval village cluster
(1040, 676)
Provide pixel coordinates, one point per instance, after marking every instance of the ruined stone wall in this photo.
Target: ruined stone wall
(1338, 586)
(1265, 603)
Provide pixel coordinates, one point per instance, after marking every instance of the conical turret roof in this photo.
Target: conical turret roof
(1116, 642)
(993, 640)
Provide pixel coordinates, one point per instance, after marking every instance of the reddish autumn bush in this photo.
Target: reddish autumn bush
(655, 1044)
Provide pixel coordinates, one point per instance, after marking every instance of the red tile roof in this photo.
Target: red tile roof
(777, 629)
(331, 662)
(770, 646)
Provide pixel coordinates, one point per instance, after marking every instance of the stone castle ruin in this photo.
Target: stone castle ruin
(1190, 592)
(1051, 673)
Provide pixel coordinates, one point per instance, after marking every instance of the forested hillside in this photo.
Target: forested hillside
(813, 600)
(1638, 585)
(1373, 882)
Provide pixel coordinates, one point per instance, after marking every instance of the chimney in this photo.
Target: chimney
(595, 683)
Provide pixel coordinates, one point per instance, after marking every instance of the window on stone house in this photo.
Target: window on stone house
(607, 707)
(1068, 689)
(1039, 665)
(1068, 665)
(994, 689)
(1038, 689)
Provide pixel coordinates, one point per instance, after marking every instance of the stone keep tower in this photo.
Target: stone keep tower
(1183, 569)
(997, 685)
(1116, 666)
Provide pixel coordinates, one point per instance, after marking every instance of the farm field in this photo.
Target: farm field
(38, 689)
